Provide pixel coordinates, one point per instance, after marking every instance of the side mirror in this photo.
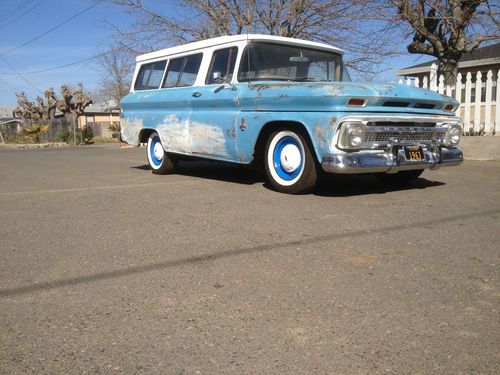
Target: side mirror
(218, 77)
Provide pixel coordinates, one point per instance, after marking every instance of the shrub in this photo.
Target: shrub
(87, 135)
(26, 138)
(64, 135)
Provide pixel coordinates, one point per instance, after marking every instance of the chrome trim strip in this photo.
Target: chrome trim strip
(438, 119)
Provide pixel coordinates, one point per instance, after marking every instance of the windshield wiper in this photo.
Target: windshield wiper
(308, 79)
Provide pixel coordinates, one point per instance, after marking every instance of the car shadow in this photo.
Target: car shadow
(144, 167)
(217, 170)
(329, 186)
(364, 184)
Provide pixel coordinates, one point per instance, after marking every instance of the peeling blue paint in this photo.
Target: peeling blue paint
(225, 123)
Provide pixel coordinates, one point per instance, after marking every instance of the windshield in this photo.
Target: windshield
(274, 62)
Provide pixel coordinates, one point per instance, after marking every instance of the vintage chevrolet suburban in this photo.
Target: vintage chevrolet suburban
(288, 105)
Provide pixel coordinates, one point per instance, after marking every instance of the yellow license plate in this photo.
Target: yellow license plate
(414, 154)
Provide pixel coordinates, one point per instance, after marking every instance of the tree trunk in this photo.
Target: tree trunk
(448, 67)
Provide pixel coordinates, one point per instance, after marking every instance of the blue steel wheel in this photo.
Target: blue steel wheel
(158, 159)
(290, 166)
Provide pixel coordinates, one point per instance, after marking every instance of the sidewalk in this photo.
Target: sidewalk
(481, 148)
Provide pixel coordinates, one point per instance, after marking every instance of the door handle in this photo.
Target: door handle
(196, 94)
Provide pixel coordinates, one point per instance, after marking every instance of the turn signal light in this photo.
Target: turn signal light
(449, 107)
(356, 102)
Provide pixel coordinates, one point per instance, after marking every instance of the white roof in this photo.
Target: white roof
(235, 38)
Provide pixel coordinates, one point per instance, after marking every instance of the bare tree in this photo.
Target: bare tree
(72, 101)
(447, 29)
(42, 109)
(117, 67)
(339, 22)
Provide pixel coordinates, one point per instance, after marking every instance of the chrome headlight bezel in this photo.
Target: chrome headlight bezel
(351, 135)
(453, 135)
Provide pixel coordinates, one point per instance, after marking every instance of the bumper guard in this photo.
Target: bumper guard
(391, 160)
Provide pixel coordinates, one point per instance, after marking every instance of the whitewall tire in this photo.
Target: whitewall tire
(289, 163)
(159, 161)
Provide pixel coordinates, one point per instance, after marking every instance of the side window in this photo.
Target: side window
(182, 71)
(222, 65)
(173, 72)
(149, 76)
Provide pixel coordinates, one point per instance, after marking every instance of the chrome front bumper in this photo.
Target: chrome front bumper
(375, 161)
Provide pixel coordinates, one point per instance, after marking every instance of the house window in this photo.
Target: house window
(89, 119)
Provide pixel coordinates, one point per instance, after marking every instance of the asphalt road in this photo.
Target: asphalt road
(106, 268)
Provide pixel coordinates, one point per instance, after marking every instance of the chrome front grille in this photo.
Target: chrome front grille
(381, 135)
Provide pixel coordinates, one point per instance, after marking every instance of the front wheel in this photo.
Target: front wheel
(289, 163)
(159, 161)
(402, 177)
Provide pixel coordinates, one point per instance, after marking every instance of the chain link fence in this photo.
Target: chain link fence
(50, 131)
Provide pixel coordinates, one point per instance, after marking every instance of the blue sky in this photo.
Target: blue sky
(84, 36)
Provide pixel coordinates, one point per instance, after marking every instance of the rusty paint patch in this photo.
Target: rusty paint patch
(243, 125)
(231, 132)
(321, 133)
(265, 86)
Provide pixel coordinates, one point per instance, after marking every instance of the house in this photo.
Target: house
(10, 127)
(481, 59)
(477, 71)
(99, 117)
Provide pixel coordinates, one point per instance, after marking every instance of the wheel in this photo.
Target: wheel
(289, 163)
(159, 161)
(400, 177)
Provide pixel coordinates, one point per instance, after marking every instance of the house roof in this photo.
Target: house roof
(231, 39)
(488, 55)
(95, 109)
(5, 120)
(100, 108)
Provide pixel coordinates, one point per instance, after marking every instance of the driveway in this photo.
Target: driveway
(106, 268)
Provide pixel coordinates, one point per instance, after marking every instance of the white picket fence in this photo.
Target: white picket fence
(479, 113)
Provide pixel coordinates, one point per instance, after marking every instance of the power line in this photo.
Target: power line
(13, 11)
(51, 29)
(14, 89)
(69, 64)
(20, 75)
(99, 54)
(22, 14)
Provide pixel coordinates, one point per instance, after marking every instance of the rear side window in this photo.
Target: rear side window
(222, 65)
(149, 76)
(182, 71)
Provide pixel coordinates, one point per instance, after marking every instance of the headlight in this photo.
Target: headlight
(352, 135)
(453, 136)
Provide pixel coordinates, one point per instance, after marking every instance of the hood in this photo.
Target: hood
(377, 97)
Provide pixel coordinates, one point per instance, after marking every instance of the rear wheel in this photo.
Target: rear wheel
(159, 161)
(400, 177)
(289, 163)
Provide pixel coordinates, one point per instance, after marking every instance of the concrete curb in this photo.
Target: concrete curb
(481, 148)
(34, 145)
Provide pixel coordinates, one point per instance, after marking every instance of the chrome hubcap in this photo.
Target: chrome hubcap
(290, 158)
(158, 151)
